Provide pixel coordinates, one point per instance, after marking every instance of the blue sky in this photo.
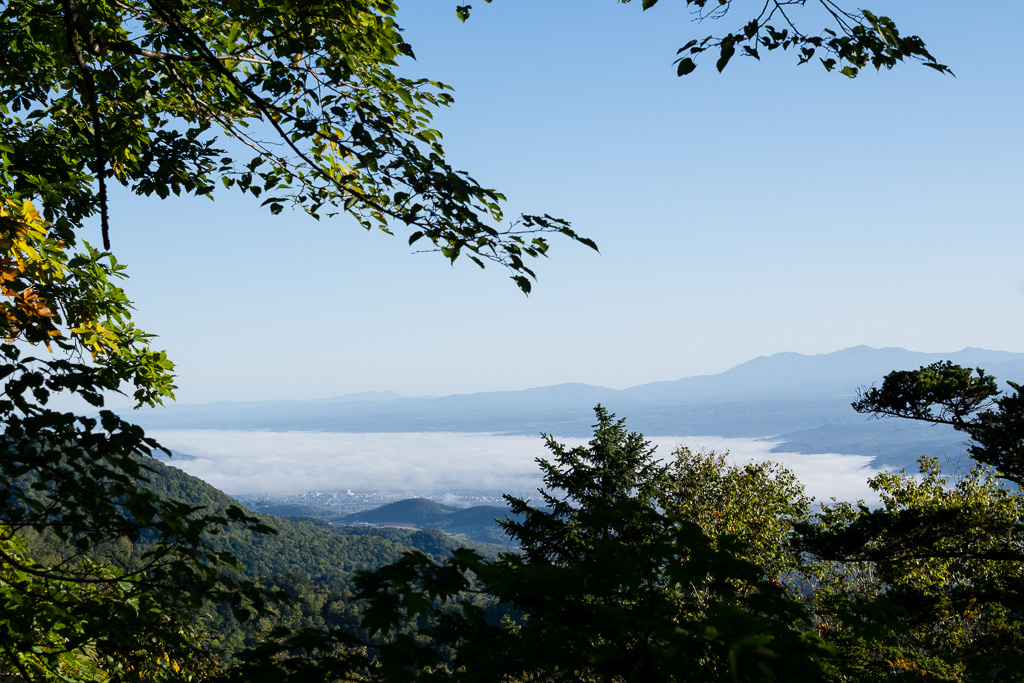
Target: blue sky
(770, 208)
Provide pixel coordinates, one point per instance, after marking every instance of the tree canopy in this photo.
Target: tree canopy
(293, 103)
(941, 559)
(610, 586)
(967, 399)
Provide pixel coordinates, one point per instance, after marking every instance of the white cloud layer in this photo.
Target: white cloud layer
(246, 462)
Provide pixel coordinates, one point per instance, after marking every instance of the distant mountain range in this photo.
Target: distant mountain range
(802, 400)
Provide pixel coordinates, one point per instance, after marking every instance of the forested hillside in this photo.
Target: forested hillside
(311, 560)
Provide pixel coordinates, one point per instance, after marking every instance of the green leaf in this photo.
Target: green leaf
(727, 51)
(685, 66)
(523, 283)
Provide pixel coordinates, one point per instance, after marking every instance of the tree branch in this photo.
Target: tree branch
(73, 26)
(128, 47)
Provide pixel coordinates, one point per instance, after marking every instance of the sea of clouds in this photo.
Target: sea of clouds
(250, 462)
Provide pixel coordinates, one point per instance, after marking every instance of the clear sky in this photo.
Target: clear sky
(770, 208)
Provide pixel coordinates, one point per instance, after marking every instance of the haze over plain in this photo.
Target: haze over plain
(488, 441)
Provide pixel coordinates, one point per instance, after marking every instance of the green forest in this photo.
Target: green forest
(116, 568)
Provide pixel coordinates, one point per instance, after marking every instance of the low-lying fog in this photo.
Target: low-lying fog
(246, 462)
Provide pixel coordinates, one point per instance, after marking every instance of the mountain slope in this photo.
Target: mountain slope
(324, 552)
(790, 374)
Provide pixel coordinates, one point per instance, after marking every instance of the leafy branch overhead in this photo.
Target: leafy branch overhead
(69, 301)
(294, 104)
(849, 42)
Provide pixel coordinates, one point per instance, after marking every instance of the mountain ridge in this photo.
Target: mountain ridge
(786, 395)
(785, 376)
(879, 361)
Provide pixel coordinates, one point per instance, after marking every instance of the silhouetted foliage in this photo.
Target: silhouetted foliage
(609, 587)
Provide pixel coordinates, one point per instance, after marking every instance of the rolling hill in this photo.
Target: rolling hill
(476, 523)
